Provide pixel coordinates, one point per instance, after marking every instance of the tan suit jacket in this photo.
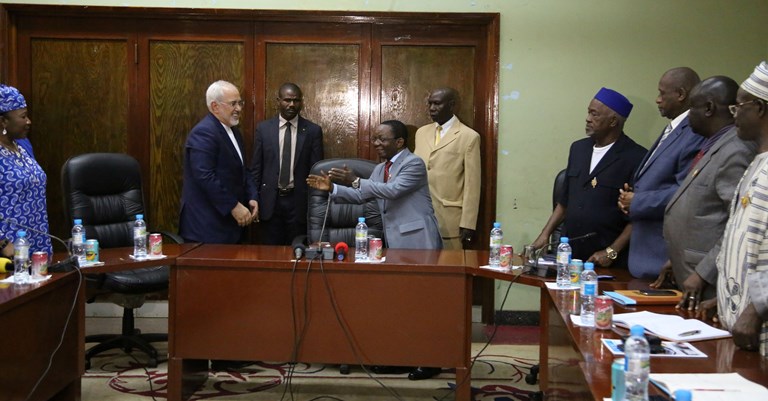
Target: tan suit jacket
(453, 169)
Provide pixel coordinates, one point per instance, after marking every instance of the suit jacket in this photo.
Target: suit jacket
(654, 186)
(593, 208)
(695, 218)
(404, 201)
(215, 180)
(453, 169)
(266, 163)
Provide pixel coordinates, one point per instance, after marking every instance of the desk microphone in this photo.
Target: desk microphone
(299, 249)
(68, 264)
(341, 250)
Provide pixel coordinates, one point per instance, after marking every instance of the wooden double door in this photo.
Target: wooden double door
(134, 80)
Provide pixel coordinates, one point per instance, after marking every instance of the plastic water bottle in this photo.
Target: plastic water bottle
(361, 239)
(564, 253)
(21, 258)
(588, 294)
(497, 237)
(78, 242)
(637, 365)
(139, 237)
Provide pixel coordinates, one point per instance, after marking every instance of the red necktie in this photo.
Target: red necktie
(387, 165)
(696, 160)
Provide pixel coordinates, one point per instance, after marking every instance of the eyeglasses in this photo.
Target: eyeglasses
(234, 103)
(734, 108)
(382, 140)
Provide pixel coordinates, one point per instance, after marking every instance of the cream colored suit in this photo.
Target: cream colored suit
(453, 169)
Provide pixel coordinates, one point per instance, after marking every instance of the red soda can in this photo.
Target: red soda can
(155, 244)
(505, 256)
(375, 249)
(603, 312)
(39, 264)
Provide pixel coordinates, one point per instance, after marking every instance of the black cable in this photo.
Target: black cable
(487, 344)
(149, 377)
(61, 338)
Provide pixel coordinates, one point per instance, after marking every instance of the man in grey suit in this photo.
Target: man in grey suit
(695, 217)
(399, 186)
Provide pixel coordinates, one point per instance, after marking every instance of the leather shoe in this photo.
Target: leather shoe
(387, 370)
(422, 373)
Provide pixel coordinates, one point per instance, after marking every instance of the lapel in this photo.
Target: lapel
(610, 157)
(673, 136)
(449, 136)
(301, 136)
(225, 138)
(701, 165)
(397, 164)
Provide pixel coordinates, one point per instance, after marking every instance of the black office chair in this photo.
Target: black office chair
(342, 217)
(557, 191)
(104, 190)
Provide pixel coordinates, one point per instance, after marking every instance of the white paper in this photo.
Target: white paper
(670, 327)
(32, 279)
(501, 269)
(148, 257)
(553, 286)
(374, 261)
(711, 386)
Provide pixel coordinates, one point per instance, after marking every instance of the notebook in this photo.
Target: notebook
(670, 327)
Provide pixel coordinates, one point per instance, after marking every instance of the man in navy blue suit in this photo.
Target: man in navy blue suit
(219, 197)
(281, 171)
(660, 174)
(597, 168)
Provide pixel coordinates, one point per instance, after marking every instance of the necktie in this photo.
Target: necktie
(437, 134)
(285, 164)
(387, 165)
(696, 159)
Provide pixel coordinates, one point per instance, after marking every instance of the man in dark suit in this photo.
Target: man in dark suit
(695, 218)
(660, 174)
(281, 171)
(219, 197)
(597, 168)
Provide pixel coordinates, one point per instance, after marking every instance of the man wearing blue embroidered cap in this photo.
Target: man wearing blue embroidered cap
(597, 168)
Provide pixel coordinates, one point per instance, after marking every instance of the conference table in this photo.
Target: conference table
(248, 302)
(34, 317)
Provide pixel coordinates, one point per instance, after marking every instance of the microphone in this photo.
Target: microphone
(68, 264)
(341, 250)
(299, 248)
(581, 237)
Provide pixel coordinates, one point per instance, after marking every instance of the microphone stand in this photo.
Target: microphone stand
(538, 252)
(68, 264)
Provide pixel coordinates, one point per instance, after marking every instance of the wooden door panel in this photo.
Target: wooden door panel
(328, 76)
(78, 104)
(409, 73)
(179, 74)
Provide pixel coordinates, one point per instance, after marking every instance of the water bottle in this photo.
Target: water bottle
(139, 237)
(21, 258)
(361, 239)
(637, 365)
(497, 237)
(588, 294)
(563, 260)
(78, 242)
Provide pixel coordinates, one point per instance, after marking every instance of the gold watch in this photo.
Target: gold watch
(611, 253)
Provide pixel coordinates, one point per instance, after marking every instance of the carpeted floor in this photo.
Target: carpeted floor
(498, 375)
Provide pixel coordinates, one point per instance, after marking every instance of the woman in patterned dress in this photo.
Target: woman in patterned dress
(22, 180)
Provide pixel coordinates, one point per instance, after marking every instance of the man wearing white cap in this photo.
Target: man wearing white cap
(742, 283)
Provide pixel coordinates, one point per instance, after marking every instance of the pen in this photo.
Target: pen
(689, 333)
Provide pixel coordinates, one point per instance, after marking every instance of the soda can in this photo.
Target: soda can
(39, 264)
(505, 256)
(155, 244)
(92, 250)
(375, 249)
(617, 380)
(574, 271)
(603, 312)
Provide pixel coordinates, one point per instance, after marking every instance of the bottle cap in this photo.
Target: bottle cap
(563, 240)
(589, 266)
(496, 225)
(683, 395)
(361, 219)
(78, 222)
(637, 331)
(21, 233)
(139, 217)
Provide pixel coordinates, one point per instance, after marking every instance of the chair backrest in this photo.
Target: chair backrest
(342, 218)
(557, 192)
(104, 190)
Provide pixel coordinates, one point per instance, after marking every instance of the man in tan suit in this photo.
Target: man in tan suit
(451, 151)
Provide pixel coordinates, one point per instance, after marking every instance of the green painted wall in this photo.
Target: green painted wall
(554, 55)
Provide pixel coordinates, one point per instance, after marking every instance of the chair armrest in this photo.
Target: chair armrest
(175, 238)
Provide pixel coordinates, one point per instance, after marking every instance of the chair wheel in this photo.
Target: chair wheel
(152, 363)
(533, 377)
(344, 369)
(537, 396)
